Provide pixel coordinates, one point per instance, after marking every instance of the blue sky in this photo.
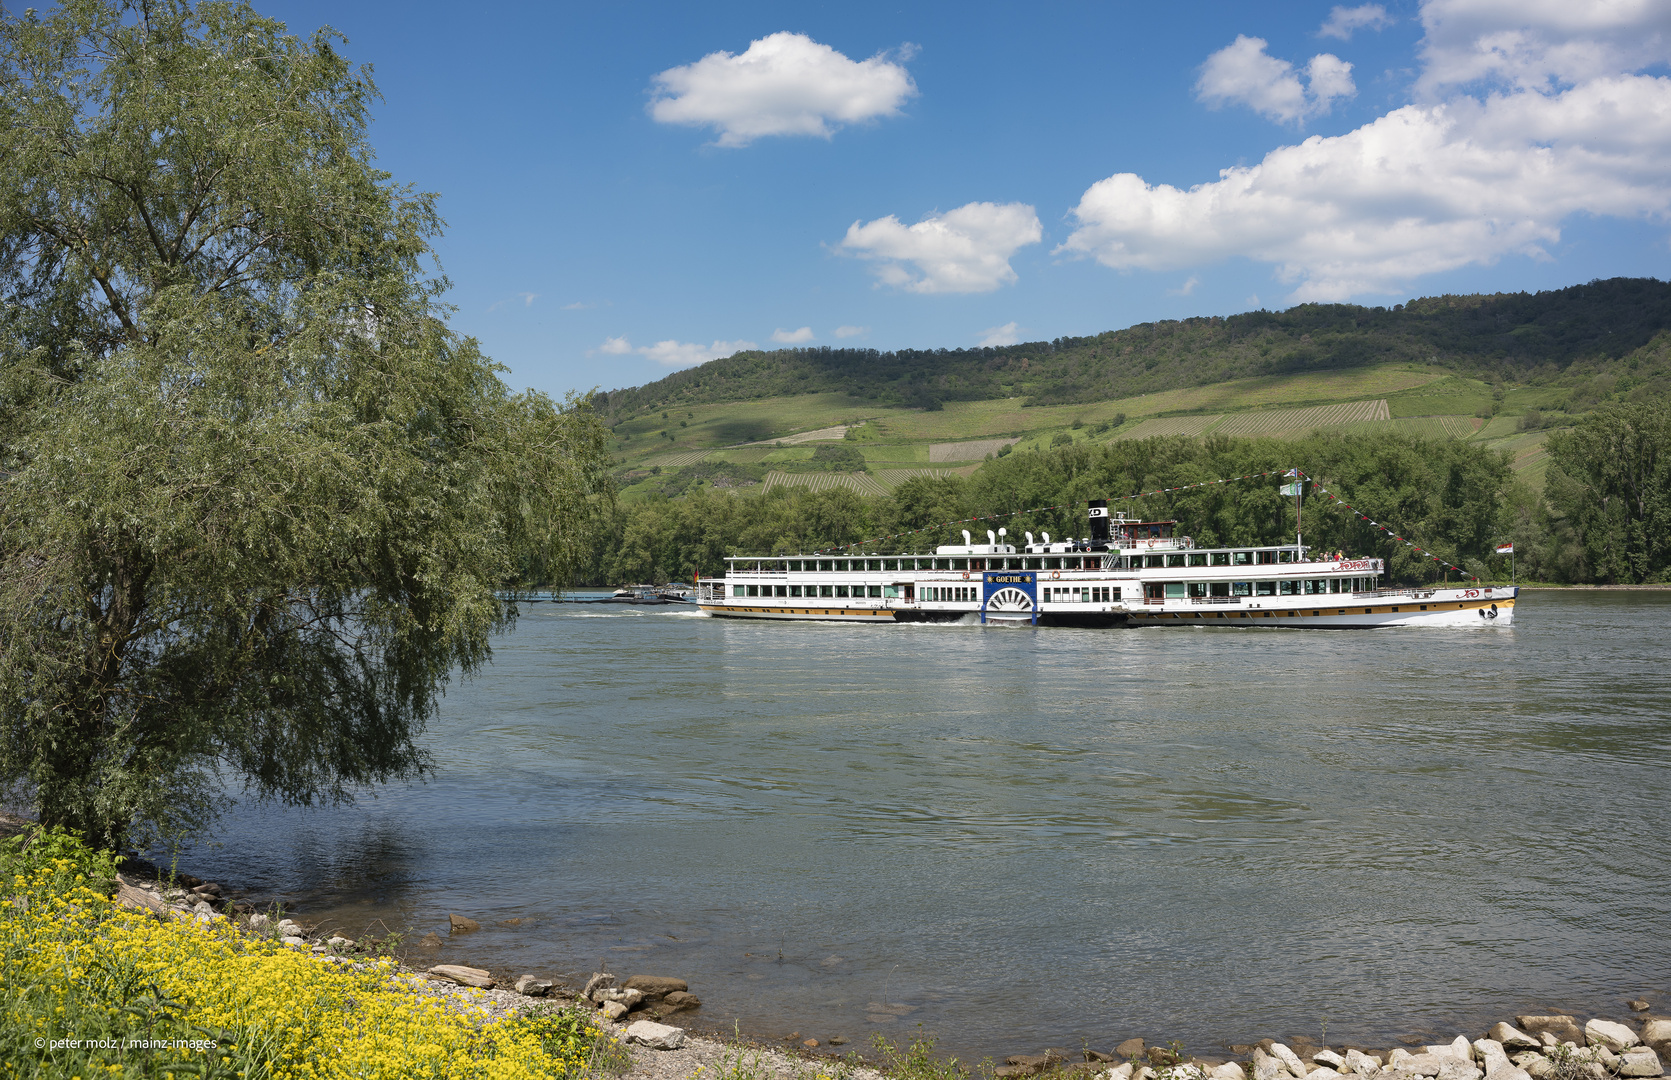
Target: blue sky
(631, 188)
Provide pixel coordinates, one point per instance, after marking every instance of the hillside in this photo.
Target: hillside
(1566, 336)
(1499, 371)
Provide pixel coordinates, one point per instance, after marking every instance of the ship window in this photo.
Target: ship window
(1053, 564)
(825, 590)
(1313, 586)
(1264, 588)
(738, 590)
(1241, 588)
(1220, 588)
(977, 564)
(1243, 558)
(1220, 558)
(794, 590)
(1334, 584)
(1176, 590)
(960, 564)
(891, 564)
(891, 591)
(1197, 558)
(754, 590)
(1289, 588)
(783, 590)
(875, 590)
(1285, 556)
(841, 590)
(1174, 560)
(1197, 589)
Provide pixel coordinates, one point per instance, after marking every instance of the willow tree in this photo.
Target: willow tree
(257, 502)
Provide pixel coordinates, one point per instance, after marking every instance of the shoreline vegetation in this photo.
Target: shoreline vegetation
(102, 954)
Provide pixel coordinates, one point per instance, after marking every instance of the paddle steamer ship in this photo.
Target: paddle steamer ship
(1126, 573)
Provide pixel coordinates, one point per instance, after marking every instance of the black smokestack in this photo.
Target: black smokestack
(1099, 524)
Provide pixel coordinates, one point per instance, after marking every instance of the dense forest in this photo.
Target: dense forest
(1605, 515)
(1590, 337)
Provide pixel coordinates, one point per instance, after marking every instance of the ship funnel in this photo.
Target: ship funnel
(1046, 537)
(1099, 524)
(1029, 537)
(966, 540)
(992, 538)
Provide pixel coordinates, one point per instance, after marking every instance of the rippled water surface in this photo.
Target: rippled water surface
(1021, 838)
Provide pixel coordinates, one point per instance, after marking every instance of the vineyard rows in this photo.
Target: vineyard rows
(1272, 422)
(862, 483)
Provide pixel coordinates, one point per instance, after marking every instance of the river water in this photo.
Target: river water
(1020, 838)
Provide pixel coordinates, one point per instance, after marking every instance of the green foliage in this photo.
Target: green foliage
(61, 853)
(916, 1060)
(839, 458)
(260, 502)
(1609, 493)
(1605, 340)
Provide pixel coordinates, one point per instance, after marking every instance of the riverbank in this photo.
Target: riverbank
(655, 1021)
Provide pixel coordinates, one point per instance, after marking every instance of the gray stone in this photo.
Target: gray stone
(1507, 1072)
(1291, 1060)
(1361, 1063)
(463, 976)
(1640, 1061)
(1512, 1038)
(1607, 1033)
(1459, 1048)
(132, 896)
(1655, 1032)
(655, 987)
(529, 986)
(628, 999)
(656, 1036)
(613, 1010)
(1536, 1065)
(679, 999)
(597, 981)
(1424, 1064)
(1564, 1028)
(1322, 1072)
(258, 921)
(1266, 1067)
(292, 939)
(291, 927)
(460, 925)
(1638, 1005)
(1131, 1048)
(1228, 1071)
(1454, 1068)
(1328, 1057)
(340, 942)
(1491, 1055)
(1119, 1072)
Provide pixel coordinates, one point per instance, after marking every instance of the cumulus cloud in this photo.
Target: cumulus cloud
(1344, 21)
(1243, 73)
(850, 331)
(966, 250)
(1186, 288)
(688, 354)
(615, 346)
(792, 337)
(994, 336)
(783, 84)
(1539, 44)
(1435, 185)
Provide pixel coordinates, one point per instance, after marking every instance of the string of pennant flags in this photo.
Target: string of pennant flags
(1299, 475)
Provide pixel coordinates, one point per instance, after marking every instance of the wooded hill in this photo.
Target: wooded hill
(1589, 337)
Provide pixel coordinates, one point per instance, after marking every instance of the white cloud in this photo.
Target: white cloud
(1186, 288)
(850, 331)
(686, 354)
(1435, 185)
(527, 299)
(966, 250)
(1344, 21)
(615, 346)
(783, 84)
(1244, 73)
(1539, 44)
(792, 337)
(994, 336)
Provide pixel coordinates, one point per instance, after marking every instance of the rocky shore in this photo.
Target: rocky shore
(652, 1016)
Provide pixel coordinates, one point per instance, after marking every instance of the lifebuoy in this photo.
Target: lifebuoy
(1152, 543)
(1055, 575)
(965, 575)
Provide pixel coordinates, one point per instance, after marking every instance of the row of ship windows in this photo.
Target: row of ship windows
(928, 594)
(841, 591)
(1178, 590)
(1019, 562)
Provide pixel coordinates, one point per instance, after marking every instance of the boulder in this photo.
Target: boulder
(463, 976)
(1640, 1061)
(1229, 1071)
(1160, 1057)
(1607, 1033)
(291, 928)
(258, 921)
(1397, 1056)
(1564, 1028)
(293, 940)
(1512, 1038)
(1131, 1048)
(655, 987)
(1454, 1068)
(460, 925)
(598, 980)
(1638, 1005)
(1536, 1065)
(1328, 1057)
(678, 999)
(1491, 1054)
(430, 941)
(1507, 1072)
(1097, 1055)
(1322, 1072)
(628, 999)
(529, 986)
(1289, 1059)
(1119, 1072)
(1458, 1047)
(1361, 1063)
(340, 942)
(1655, 1032)
(130, 896)
(1424, 1064)
(613, 1010)
(1143, 1072)
(656, 1036)
(1267, 1067)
